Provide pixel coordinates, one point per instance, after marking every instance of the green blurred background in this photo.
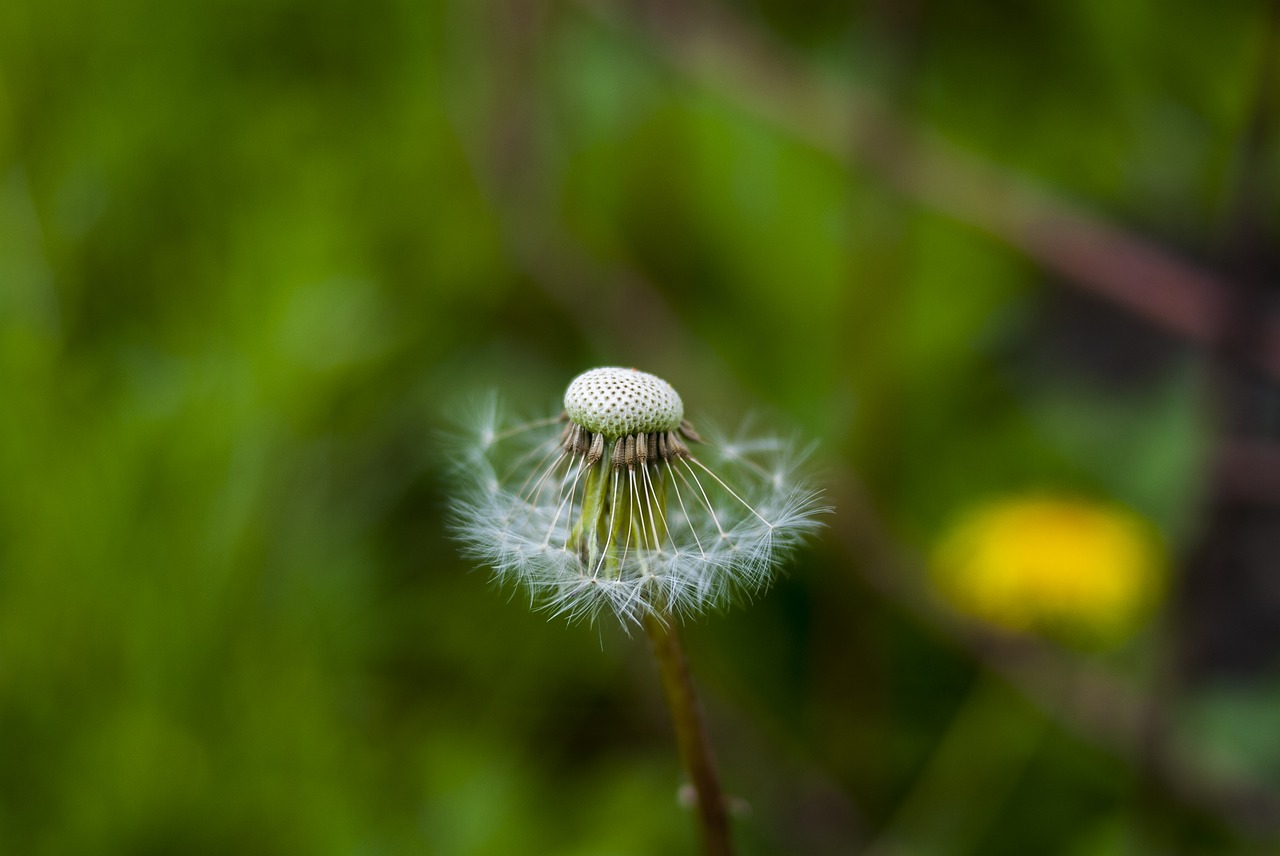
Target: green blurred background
(252, 254)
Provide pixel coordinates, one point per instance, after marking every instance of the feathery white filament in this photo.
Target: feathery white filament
(649, 548)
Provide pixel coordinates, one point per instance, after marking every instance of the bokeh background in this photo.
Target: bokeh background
(252, 255)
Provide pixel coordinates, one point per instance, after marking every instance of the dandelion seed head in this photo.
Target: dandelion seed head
(620, 507)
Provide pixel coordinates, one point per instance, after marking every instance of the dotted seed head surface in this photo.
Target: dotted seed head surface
(616, 402)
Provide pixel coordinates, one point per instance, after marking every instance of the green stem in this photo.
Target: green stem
(622, 513)
(691, 734)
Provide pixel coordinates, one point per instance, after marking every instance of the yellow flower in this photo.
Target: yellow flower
(1053, 565)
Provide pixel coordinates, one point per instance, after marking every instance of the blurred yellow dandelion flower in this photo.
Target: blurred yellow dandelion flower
(1050, 564)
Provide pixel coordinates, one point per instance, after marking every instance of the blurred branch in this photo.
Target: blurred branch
(719, 52)
(1225, 626)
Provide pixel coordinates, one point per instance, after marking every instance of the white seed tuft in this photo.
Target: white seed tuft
(618, 402)
(669, 535)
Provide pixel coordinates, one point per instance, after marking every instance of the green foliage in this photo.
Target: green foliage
(249, 251)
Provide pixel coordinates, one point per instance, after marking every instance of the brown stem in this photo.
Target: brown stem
(691, 734)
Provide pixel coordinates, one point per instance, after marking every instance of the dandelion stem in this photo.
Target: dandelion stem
(691, 734)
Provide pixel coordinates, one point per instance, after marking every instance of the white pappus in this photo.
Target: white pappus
(619, 505)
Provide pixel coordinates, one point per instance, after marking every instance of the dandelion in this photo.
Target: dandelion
(1053, 565)
(610, 508)
(619, 506)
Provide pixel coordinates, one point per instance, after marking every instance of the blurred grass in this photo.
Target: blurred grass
(247, 250)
